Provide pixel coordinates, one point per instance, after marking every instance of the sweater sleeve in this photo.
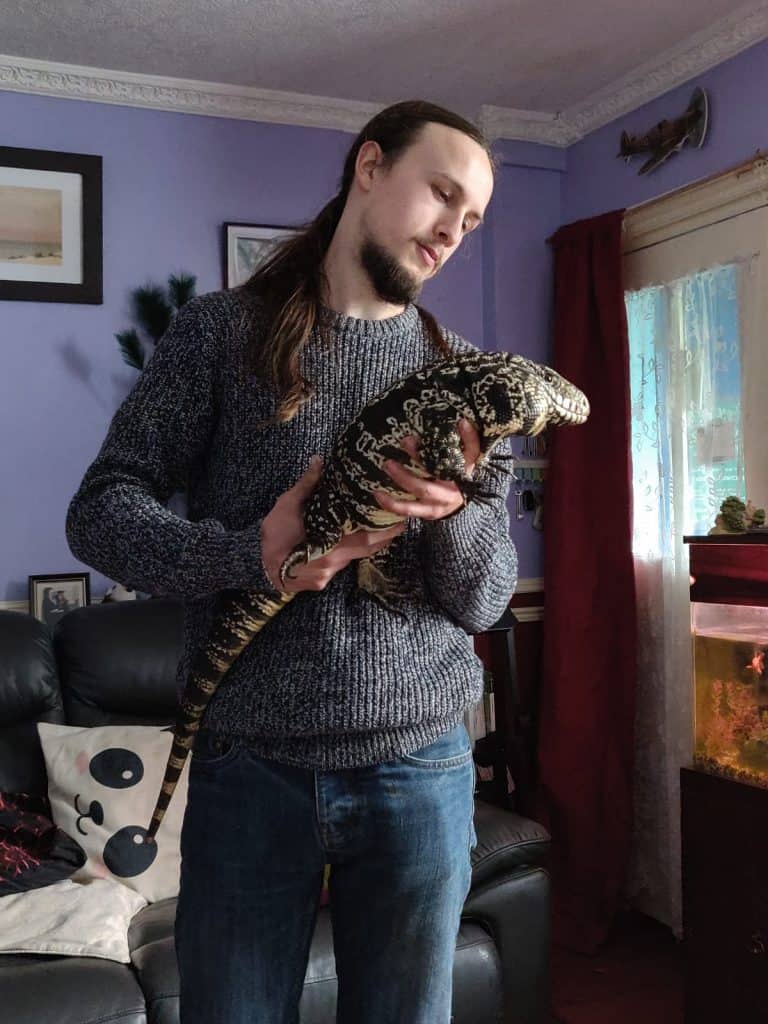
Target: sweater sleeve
(470, 561)
(118, 522)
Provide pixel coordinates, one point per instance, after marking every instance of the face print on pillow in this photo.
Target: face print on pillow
(103, 782)
(125, 854)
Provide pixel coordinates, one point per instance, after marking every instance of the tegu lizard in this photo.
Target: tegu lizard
(501, 394)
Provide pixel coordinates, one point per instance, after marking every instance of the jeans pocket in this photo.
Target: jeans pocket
(450, 750)
(212, 751)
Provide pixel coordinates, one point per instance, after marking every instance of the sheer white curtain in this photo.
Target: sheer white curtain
(687, 455)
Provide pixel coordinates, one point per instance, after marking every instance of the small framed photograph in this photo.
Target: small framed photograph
(51, 597)
(248, 245)
(50, 226)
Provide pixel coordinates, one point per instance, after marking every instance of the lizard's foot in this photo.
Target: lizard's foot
(299, 556)
(388, 591)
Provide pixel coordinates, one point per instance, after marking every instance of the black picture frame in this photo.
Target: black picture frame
(89, 289)
(74, 586)
(260, 238)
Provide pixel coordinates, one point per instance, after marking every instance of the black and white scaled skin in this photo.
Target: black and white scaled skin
(499, 393)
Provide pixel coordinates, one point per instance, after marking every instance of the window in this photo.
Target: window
(696, 278)
(685, 380)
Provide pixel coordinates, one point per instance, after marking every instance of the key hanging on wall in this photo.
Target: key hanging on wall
(538, 516)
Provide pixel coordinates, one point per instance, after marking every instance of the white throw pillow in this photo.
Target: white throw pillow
(103, 782)
(70, 919)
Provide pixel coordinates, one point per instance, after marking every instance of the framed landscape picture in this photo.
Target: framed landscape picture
(50, 226)
(51, 597)
(248, 245)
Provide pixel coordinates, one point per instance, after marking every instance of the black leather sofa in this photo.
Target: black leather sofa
(115, 663)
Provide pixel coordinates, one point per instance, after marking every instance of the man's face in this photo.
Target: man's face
(434, 196)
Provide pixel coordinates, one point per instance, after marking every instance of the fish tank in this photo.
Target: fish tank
(729, 625)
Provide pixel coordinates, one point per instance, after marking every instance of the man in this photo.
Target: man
(337, 736)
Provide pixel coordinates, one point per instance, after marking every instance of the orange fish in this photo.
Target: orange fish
(757, 664)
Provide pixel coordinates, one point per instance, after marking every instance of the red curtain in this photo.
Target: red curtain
(589, 652)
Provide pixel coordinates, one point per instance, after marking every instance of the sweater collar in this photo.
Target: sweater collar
(352, 327)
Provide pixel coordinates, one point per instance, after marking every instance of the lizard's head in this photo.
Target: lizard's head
(515, 395)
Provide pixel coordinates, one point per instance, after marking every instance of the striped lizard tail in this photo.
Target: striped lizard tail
(242, 615)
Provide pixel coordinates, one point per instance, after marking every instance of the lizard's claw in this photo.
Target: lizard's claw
(298, 556)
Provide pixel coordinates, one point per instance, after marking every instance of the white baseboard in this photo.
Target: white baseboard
(528, 614)
(531, 585)
(23, 606)
(534, 584)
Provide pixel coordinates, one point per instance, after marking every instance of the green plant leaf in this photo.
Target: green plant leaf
(130, 346)
(152, 310)
(181, 289)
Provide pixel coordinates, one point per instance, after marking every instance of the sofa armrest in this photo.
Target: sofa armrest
(506, 842)
(515, 910)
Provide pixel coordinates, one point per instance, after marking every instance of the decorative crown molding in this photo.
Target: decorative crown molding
(722, 40)
(182, 95)
(526, 126)
(713, 45)
(717, 43)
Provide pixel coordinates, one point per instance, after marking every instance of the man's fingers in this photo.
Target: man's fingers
(363, 543)
(363, 540)
(311, 474)
(306, 483)
(471, 438)
(409, 444)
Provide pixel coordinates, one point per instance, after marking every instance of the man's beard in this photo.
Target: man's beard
(391, 282)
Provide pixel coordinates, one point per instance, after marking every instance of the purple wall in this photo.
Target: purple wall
(170, 181)
(597, 181)
(527, 208)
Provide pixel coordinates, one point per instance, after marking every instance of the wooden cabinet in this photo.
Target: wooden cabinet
(724, 795)
(725, 899)
(511, 747)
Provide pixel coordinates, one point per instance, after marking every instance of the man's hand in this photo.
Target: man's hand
(283, 528)
(432, 499)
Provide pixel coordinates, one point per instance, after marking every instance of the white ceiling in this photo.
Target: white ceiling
(530, 57)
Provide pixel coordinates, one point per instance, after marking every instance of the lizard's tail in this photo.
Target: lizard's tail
(244, 613)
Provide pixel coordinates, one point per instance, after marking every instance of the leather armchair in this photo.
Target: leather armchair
(115, 663)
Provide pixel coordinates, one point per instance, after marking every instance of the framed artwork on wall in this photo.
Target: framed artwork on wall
(50, 226)
(248, 245)
(51, 597)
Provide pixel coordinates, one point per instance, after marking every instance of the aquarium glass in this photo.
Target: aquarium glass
(730, 643)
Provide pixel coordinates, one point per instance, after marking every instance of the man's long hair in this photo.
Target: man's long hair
(288, 285)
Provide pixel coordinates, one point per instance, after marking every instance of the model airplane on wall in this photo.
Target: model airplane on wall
(668, 137)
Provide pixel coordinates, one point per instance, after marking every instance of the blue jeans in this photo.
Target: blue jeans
(255, 839)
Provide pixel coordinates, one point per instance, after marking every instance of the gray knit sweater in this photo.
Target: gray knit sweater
(335, 680)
